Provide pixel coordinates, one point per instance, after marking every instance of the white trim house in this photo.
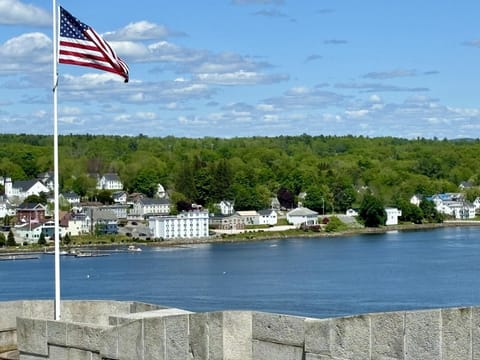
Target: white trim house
(302, 215)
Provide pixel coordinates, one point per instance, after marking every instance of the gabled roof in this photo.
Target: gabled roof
(302, 211)
(119, 194)
(247, 213)
(25, 185)
(111, 177)
(153, 201)
(266, 212)
(31, 207)
(70, 195)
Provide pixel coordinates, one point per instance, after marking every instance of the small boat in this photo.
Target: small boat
(62, 253)
(134, 248)
(84, 254)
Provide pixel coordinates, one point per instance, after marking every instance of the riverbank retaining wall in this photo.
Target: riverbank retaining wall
(136, 331)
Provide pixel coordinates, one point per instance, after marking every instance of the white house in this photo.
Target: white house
(120, 197)
(302, 215)
(31, 232)
(186, 225)
(268, 217)
(226, 207)
(5, 208)
(19, 190)
(161, 193)
(392, 216)
(351, 212)
(458, 209)
(476, 203)
(416, 199)
(74, 223)
(109, 181)
(72, 198)
(454, 204)
(148, 206)
(250, 217)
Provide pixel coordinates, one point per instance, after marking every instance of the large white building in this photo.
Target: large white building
(148, 207)
(19, 190)
(109, 181)
(186, 225)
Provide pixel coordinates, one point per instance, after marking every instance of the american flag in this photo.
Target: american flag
(80, 45)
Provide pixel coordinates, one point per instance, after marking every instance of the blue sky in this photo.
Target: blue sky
(231, 68)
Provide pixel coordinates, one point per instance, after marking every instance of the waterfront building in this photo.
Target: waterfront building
(249, 217)
(186, 225)
(268, 217)
(392, 216)
(30, 232)
(302, 216)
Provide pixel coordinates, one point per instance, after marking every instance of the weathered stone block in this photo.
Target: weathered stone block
(350, 338)
(84, 336)
(57, 332)
(422, 335)
(10, 310)
(40, 309)
(130, 341)
(387, 335)
(283, 329)
(456, 336)
(309, 356)
(237, 335)
(176, 337)
(263, 350)
(93, 312)
(31, 357)
(58, 353)
(215, 336)
(475, 324)
(318, 337)
(32, 336)
(137, 307)
(154, 338)
(198, 329)
(109, 345)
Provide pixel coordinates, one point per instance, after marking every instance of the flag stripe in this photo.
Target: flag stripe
(80, 45)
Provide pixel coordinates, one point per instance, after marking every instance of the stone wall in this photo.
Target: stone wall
(131, 331)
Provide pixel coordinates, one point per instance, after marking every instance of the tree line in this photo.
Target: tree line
(335, 172)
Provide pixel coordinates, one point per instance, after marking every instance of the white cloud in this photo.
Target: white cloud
(237, 78)
(14, 12)
(357, 113)
(141, 30)
(19, 53)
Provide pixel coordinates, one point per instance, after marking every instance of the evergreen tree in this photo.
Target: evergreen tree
(66, 239)
(11, 239)
(2, 240)
(42, 240)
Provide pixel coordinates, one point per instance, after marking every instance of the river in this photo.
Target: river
(318, 277)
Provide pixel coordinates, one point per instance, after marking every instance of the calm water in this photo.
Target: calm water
(310, 277)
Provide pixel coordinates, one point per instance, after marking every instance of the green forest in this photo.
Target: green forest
(334, 172)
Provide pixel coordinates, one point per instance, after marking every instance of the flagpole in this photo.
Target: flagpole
(55, 165)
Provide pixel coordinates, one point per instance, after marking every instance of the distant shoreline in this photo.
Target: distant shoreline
(244, 237)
